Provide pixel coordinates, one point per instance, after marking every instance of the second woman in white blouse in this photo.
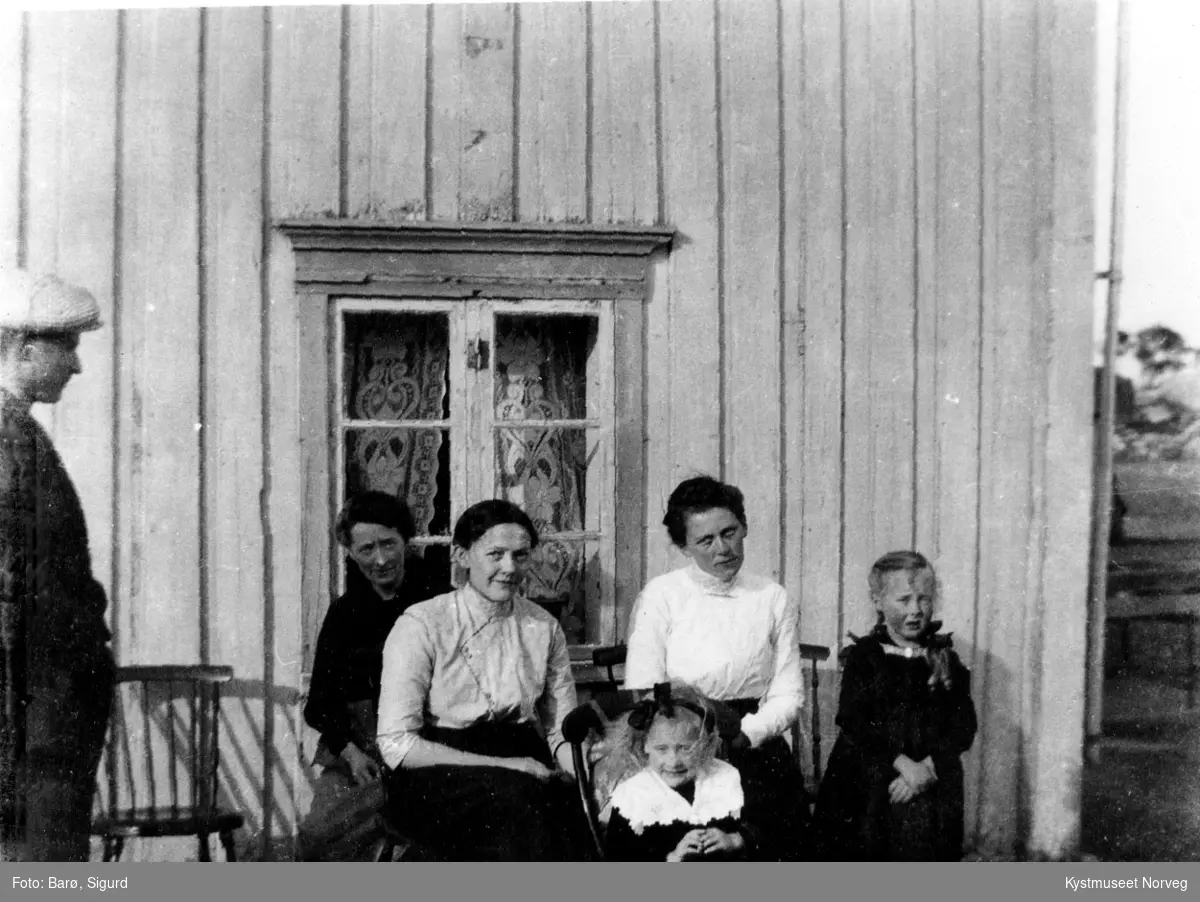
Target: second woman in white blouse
(733, 636)
(475, 686)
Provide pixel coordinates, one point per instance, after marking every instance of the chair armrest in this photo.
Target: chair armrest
(610, 656)
(813, 652)
(580, 722)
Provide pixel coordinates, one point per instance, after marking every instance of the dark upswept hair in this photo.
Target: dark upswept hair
(479, 518)
(894, 561)
(697, 495)
(379, 508)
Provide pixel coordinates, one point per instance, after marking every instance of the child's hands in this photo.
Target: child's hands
(690, 847)
(917, 776)
(899, 791)
(716, 841)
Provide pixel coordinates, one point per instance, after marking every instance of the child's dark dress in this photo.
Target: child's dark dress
(650, 818)
(887, 708)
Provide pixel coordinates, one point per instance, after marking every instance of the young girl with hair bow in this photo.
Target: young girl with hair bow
(682, 803)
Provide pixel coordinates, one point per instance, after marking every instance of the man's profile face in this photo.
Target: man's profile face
(48, 361)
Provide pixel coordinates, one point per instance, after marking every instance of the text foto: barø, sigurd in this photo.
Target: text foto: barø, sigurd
(1078, 883)
(95, 883)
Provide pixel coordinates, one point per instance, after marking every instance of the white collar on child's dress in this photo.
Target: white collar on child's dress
(919, 651)
(710, 584)
(644, 799)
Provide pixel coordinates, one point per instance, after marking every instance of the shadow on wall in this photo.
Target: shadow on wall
(246, 774)
(998, 775)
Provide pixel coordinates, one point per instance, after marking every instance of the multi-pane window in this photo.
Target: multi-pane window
(445, 403)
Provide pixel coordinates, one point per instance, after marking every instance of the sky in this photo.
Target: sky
(1161, 230)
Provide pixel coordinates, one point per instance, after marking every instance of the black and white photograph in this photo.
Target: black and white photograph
(601, 430)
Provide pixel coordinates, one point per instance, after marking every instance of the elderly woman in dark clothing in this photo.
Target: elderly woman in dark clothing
(345, 819)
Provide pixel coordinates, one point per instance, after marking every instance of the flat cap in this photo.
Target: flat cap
(41, 302)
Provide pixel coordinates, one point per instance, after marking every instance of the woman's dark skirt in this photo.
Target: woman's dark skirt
(488, 813)
(776, 811)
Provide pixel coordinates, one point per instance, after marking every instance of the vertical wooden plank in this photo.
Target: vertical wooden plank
(73, 60)
(879, 291)
(552, 107)
(858, 539)
(1009, 36)
(386, 114)
(661, 474)
(304, 170)
(948, 298)
(630, 455)
(624, 167)
(45, 94)
(813, 324)
(691, 339)
(602, 385)
(1066, 62)
(306, 111)
(12, 94)
(472, 114)
(1112, 111)
(159, 376)
(949, 291)
(753, 397)
(892, 274)
(1037, 404)
(316, 532)
(234, 101)
(624, 188)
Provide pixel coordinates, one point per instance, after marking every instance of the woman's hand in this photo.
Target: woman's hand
(690, 847)
(528, 766)
(715, 841)
(363, 768)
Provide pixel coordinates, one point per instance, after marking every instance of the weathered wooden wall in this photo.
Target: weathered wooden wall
(876, 319)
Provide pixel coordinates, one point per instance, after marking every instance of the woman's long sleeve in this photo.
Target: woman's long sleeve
(408, 660)
(326, 710)
(781, 706)
(646, 659)
(559, 698)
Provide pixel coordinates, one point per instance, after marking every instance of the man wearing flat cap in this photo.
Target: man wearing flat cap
(57, 668)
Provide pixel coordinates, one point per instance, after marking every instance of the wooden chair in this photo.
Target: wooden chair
(813, 654)
(162, 759)
(589, 720)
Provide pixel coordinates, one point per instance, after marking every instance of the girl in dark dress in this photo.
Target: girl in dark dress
(893, 790)
(682, 803)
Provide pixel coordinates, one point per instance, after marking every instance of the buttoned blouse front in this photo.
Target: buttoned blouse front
(730, 640)
(458, 659)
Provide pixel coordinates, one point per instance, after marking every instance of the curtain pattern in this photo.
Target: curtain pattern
(399, 373)
(540, 375)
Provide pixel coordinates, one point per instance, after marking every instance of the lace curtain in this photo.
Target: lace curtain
(398, 373)
(397, 368)
(541, 375)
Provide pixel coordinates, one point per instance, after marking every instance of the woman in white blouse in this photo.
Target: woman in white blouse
(733, 636)
(474, 689)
